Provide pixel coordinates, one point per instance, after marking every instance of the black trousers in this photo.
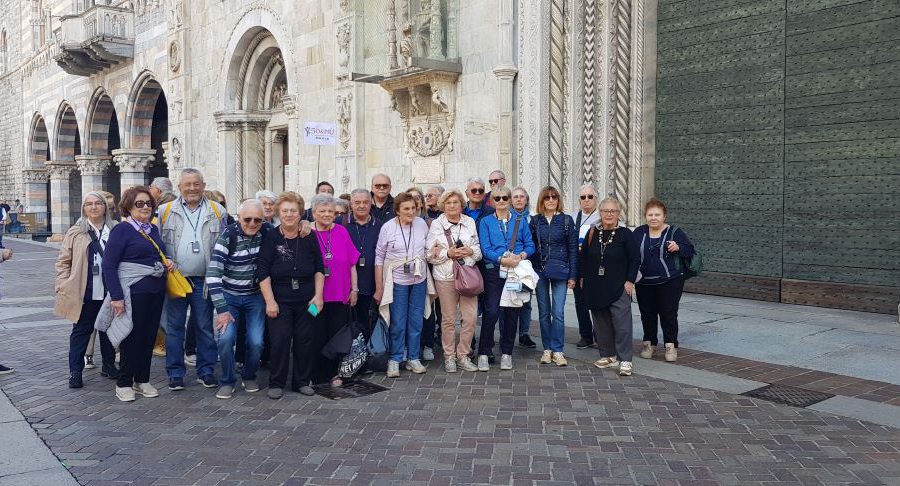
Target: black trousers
(335, 316)
(659, 306)
(506, 317)
(292, 332)
(430, 325)
(509, 328)
(136, 351)
(585, 325)
(81, 336)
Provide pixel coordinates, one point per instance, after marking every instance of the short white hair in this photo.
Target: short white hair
(474, 180)
(163, 184)
(265, 194)
(589, 187)
(250, 204)
(498, 171)
(321, 199)
(190, 171)
(362, 191)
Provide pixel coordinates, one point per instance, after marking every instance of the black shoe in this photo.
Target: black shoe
(208, 381)
(4, 370)
(110, 371)
(584, 343)
(526, 342)
(75, 380)
(176, 384)
(491, 359)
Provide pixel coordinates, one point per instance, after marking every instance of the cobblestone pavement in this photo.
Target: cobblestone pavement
(536, 424)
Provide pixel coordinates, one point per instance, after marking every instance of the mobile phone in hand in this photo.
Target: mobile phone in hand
(313, 310)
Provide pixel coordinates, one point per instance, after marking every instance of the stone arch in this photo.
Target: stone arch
(38, 143)
(103, 136)
(67, 139)
(142, 103)
(65, 181)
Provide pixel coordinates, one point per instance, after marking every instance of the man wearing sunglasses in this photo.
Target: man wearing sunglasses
(234, 290)
(476, 208)
(496, 179)
(382, 201)
(587, 216)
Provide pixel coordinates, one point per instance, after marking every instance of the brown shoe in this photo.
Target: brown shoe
(159, 347)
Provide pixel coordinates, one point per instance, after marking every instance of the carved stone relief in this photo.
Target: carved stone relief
(343, 44)
(344, 117)
(426, 105)
(174, 56)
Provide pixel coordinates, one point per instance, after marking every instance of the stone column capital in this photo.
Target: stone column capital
(134, 160)
(60, 169)
(234, 120)
(506, 72)
(35, 176)
(93, 165)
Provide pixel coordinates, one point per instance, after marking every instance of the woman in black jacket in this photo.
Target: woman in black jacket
(608, 265)
(661, 280)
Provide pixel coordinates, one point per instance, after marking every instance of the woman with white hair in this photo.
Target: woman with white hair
(268, 198)
(79, 285)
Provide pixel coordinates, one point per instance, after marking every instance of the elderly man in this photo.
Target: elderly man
(323, 187)
(476, 208)
(432, 195)
(363, 229)
(190, 226)
(234, 291)
(496, 179)
(382, 201)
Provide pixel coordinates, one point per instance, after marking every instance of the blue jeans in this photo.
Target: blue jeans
(176, 315)
(551, 312)
(407, 314)
(249, 311)
(525, 318)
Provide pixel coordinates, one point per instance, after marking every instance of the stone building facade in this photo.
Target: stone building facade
(105, 94)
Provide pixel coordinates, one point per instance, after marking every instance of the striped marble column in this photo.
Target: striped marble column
(92, 168)
(134, 165)
(35, 181)
(60, 206)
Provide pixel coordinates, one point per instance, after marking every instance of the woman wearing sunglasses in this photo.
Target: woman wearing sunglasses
(505, 241)
(586, 217)
(555, 261)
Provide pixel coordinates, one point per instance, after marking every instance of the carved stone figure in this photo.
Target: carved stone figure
(415, 108)
(343, 117)
(174, 56)
(343, 42)
(406, 46)
(438, 101)
(278, 93)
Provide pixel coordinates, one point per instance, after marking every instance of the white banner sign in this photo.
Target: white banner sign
(319, 133)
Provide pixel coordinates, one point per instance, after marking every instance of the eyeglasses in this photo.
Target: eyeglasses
(94, 204)
(553, 197)
(495, 181)
(252, 220)
(143, 204)
(587, 196)
(609, 211)
(477, 190)
(381, 186)
(501, 198)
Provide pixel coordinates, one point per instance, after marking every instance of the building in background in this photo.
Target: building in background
(712, 106)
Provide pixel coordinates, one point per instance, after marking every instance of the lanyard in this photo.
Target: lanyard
(365, 234)
(406, 243)
(294, 251)
(325, 244)
(199, 211)
(586, 220)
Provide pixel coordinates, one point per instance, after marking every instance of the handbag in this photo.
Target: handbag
(692, 266)
(379, 347)
(177, 286)
(466, 279)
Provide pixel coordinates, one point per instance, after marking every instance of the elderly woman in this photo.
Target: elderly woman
(339, 257)
(555, 261)
(586, 217)
(505, 241)
(341, 210)
(430, 322)
(608, 265)
(79, 285)
(402, 282)
(453, 238)
(661, 283)
(133, 272)
(291, 278)
(520, 204)
(268, 199)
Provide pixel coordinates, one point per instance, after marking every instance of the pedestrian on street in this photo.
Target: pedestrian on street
(521, 205)
(505, 241)
(190, 226)
(586, 217)
(234, 291)
(291, 277)
(403, 285)
(661, 283)
(79, 285)
(608, 266)
(453, 239)
(364, 230)
(341, 289)
(5, 254)
(556, 262)
(136, 280)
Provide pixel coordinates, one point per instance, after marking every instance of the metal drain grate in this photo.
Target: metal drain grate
(350, 389)
(788, 395)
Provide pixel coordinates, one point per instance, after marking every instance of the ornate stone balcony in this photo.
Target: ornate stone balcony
(95, 39)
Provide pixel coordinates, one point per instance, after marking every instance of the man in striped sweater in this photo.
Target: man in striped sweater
(232, 285)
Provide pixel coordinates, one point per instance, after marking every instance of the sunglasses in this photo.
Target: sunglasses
(477, 190)
(382, 186)
(587, 196)
(143, 204)
(494, 181)
(553, 197)
(501, 198)
(252, 220)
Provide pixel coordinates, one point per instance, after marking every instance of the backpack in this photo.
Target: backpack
(691, 267)
(379, 347)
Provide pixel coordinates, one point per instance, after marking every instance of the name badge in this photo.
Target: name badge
(489, 266)
(95, 269)
(195, 246)
(513, 286)
(327, 271)
(407, 268)
(601, 271)
(295, 284)
(362, 261)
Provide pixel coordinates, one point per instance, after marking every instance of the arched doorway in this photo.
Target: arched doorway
(103, 138)
(147, 126)
(36, 183)
(66, 208)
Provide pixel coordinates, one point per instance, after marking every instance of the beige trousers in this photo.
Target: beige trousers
(450, 300)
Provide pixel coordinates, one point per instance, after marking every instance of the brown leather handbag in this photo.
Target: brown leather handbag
(467, 279)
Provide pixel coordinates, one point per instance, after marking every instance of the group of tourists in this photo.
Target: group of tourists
(276, 285)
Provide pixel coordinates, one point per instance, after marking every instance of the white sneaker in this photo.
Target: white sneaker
(560, 359)
(647, 350)
(415, 366)
(671, 352)
(190, 359)
(450, 365)
(125, 394)
(625, 368)
(547, 357)
(466, 364)
(145, 389)
(393, 370)
(427, 354)
(505, 362)
(483, 364)
(608, 362)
